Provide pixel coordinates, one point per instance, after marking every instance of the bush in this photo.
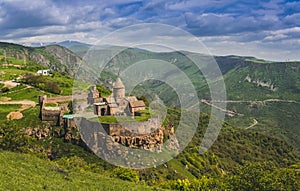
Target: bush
(73, 162)
(104, 92)
(4, 89)
(263, 176)
(52, 87)
(42, 83)
(126, 174)
(14, 139)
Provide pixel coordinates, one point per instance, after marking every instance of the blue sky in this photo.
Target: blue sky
(265, 29)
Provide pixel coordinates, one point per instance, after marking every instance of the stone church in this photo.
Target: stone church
(116, 104)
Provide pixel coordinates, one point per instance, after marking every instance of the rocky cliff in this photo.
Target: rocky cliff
(55, 57)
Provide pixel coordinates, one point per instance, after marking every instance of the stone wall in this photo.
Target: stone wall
(58, 99)
(51, 116)
(132, 128)
(121, 135)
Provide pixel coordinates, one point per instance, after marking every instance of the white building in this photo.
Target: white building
(44, 72)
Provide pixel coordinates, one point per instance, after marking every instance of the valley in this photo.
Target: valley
(260, 134)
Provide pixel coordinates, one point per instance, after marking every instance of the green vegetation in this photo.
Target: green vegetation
(26, 94)
(113, 119)
(236, 161)
(233, 149)
(42, 83)
(251, 176)
(12, 73)
(27, 172)
(280, 118)
(5, 109)
(104, 92)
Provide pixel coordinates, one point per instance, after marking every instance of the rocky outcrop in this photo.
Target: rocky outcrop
(146, 142)
(37, 132)
(267, 84)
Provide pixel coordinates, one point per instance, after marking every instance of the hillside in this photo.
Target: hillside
(239, 151)
(54, 57)
(72, 163)
(28, 172)
(257, 90)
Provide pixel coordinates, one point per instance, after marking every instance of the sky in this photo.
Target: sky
(264, 29)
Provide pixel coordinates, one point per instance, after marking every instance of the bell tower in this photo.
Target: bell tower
(118, 89)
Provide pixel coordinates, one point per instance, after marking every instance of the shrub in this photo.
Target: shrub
(126, 174)
(4, 89)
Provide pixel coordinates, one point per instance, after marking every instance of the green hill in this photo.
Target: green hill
(28, 172)
(52, 162)
(256, 89)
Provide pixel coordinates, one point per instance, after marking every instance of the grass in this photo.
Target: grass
(50, 104)
(26, 94)
(180, 169)
(27, 172)
(5, 109)
(113, 119)
(30, 119)
(12, 60)
(30, 115)
(11, 73)
(65, 82)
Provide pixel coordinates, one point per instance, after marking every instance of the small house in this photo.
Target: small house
(43, 72)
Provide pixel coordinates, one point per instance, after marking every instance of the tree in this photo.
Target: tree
(263, 176)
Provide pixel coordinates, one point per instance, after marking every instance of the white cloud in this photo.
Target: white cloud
(228, 27)
(289, 33)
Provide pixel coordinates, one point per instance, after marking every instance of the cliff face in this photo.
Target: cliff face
(66, 58)
(55, 57)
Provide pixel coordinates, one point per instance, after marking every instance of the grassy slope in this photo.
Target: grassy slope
(27, 172)
(6, 109)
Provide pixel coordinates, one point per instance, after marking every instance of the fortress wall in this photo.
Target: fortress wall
(48, 115)
(120, 134)
(58, 99)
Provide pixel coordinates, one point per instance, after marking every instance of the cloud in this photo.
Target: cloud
(232, 22)
(292, 20)
(210, 24)
(290, 33)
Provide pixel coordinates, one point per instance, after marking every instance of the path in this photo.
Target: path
(249, 101)
(9, 83)
(228, 112)
(255, 122)
(233, 113)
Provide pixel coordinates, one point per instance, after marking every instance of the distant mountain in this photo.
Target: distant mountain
(70, 43)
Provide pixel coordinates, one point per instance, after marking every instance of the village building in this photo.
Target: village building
(44, 72)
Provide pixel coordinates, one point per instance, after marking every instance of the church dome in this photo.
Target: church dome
(118, 89)
(119, 84)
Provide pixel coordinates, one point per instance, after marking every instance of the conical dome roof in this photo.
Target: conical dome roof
(119, 84)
